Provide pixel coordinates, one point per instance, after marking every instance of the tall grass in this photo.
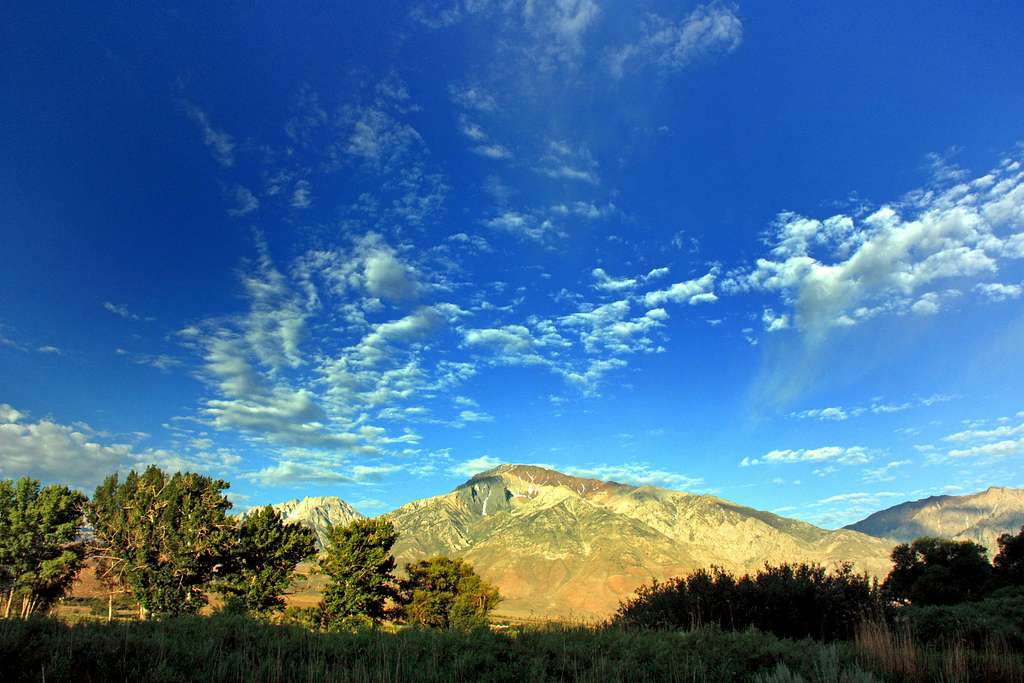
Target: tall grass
(894, 652)
(234, 649)
(237, 649)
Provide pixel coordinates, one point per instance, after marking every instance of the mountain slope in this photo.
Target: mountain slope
(979, 517)
(564, 546)
(319, 514)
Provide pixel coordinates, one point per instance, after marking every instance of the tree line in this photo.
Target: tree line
(928, 577)
(168, 541)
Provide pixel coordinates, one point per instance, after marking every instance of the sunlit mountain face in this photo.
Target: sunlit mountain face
(773, 253)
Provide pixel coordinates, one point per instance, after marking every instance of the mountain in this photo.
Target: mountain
(564, 546)
(319, 514)
(979, 517)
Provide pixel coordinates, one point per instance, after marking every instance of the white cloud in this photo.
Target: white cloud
(302, 195)
(842, 271)
(74, 455)
(607, 283)
(999, 449)
(997, 291)
(885, 472)
(493, 151)
(641, 474)
(1000, 432)
(243, 201)
(468, 468)
(696, 291)
(122, 311)
(854, 455)
(220, 144)
(473, 97)
(475, 416)
(773, 322)
(291, 473)
(830, 413)
(708, 30)
(387, 276)
(522, 225)
(563, 161)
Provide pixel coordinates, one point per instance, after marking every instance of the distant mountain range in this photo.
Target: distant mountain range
(979, 517)
(564, 546)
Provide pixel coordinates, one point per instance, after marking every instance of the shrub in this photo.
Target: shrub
(793, 601)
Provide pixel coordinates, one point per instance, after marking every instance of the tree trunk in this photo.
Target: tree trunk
(110, 607)
(142, 612)
(7, 607)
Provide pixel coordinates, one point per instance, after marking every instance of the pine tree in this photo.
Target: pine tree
(360, 570)
(262, 562)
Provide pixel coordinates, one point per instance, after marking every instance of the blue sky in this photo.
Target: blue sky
(773, 252)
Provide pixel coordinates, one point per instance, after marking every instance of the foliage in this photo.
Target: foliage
(360, 570)
(163, 537)
(235, 648)
(442, 592)
(261, 562)
(792, 601)
(40, 554)
(997, 617)
(936, 571)
(1009, 561)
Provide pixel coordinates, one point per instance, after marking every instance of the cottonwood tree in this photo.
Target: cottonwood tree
(1009, 561)
(40, 553)
(442, 592)
(937, 571)
(261, 562)
(162, 537)
(360, 570)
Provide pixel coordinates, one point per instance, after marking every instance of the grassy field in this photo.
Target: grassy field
(223, 648)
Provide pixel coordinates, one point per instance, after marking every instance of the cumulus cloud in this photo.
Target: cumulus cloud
(75, 455)
(468, 468)
(842, 271)
(696, 291)
(997, 291)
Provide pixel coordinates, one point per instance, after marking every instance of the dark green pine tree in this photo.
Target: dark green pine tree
(40, 553)
(162, 537)
(262, 562)
(360, 570)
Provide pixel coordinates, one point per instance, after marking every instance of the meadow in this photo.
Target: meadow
(233, 648)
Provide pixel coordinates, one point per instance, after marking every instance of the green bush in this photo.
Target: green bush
(792, 601)
(999, 617)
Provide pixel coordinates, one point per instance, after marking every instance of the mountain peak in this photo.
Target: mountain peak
(319, 513)
(535, 475)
